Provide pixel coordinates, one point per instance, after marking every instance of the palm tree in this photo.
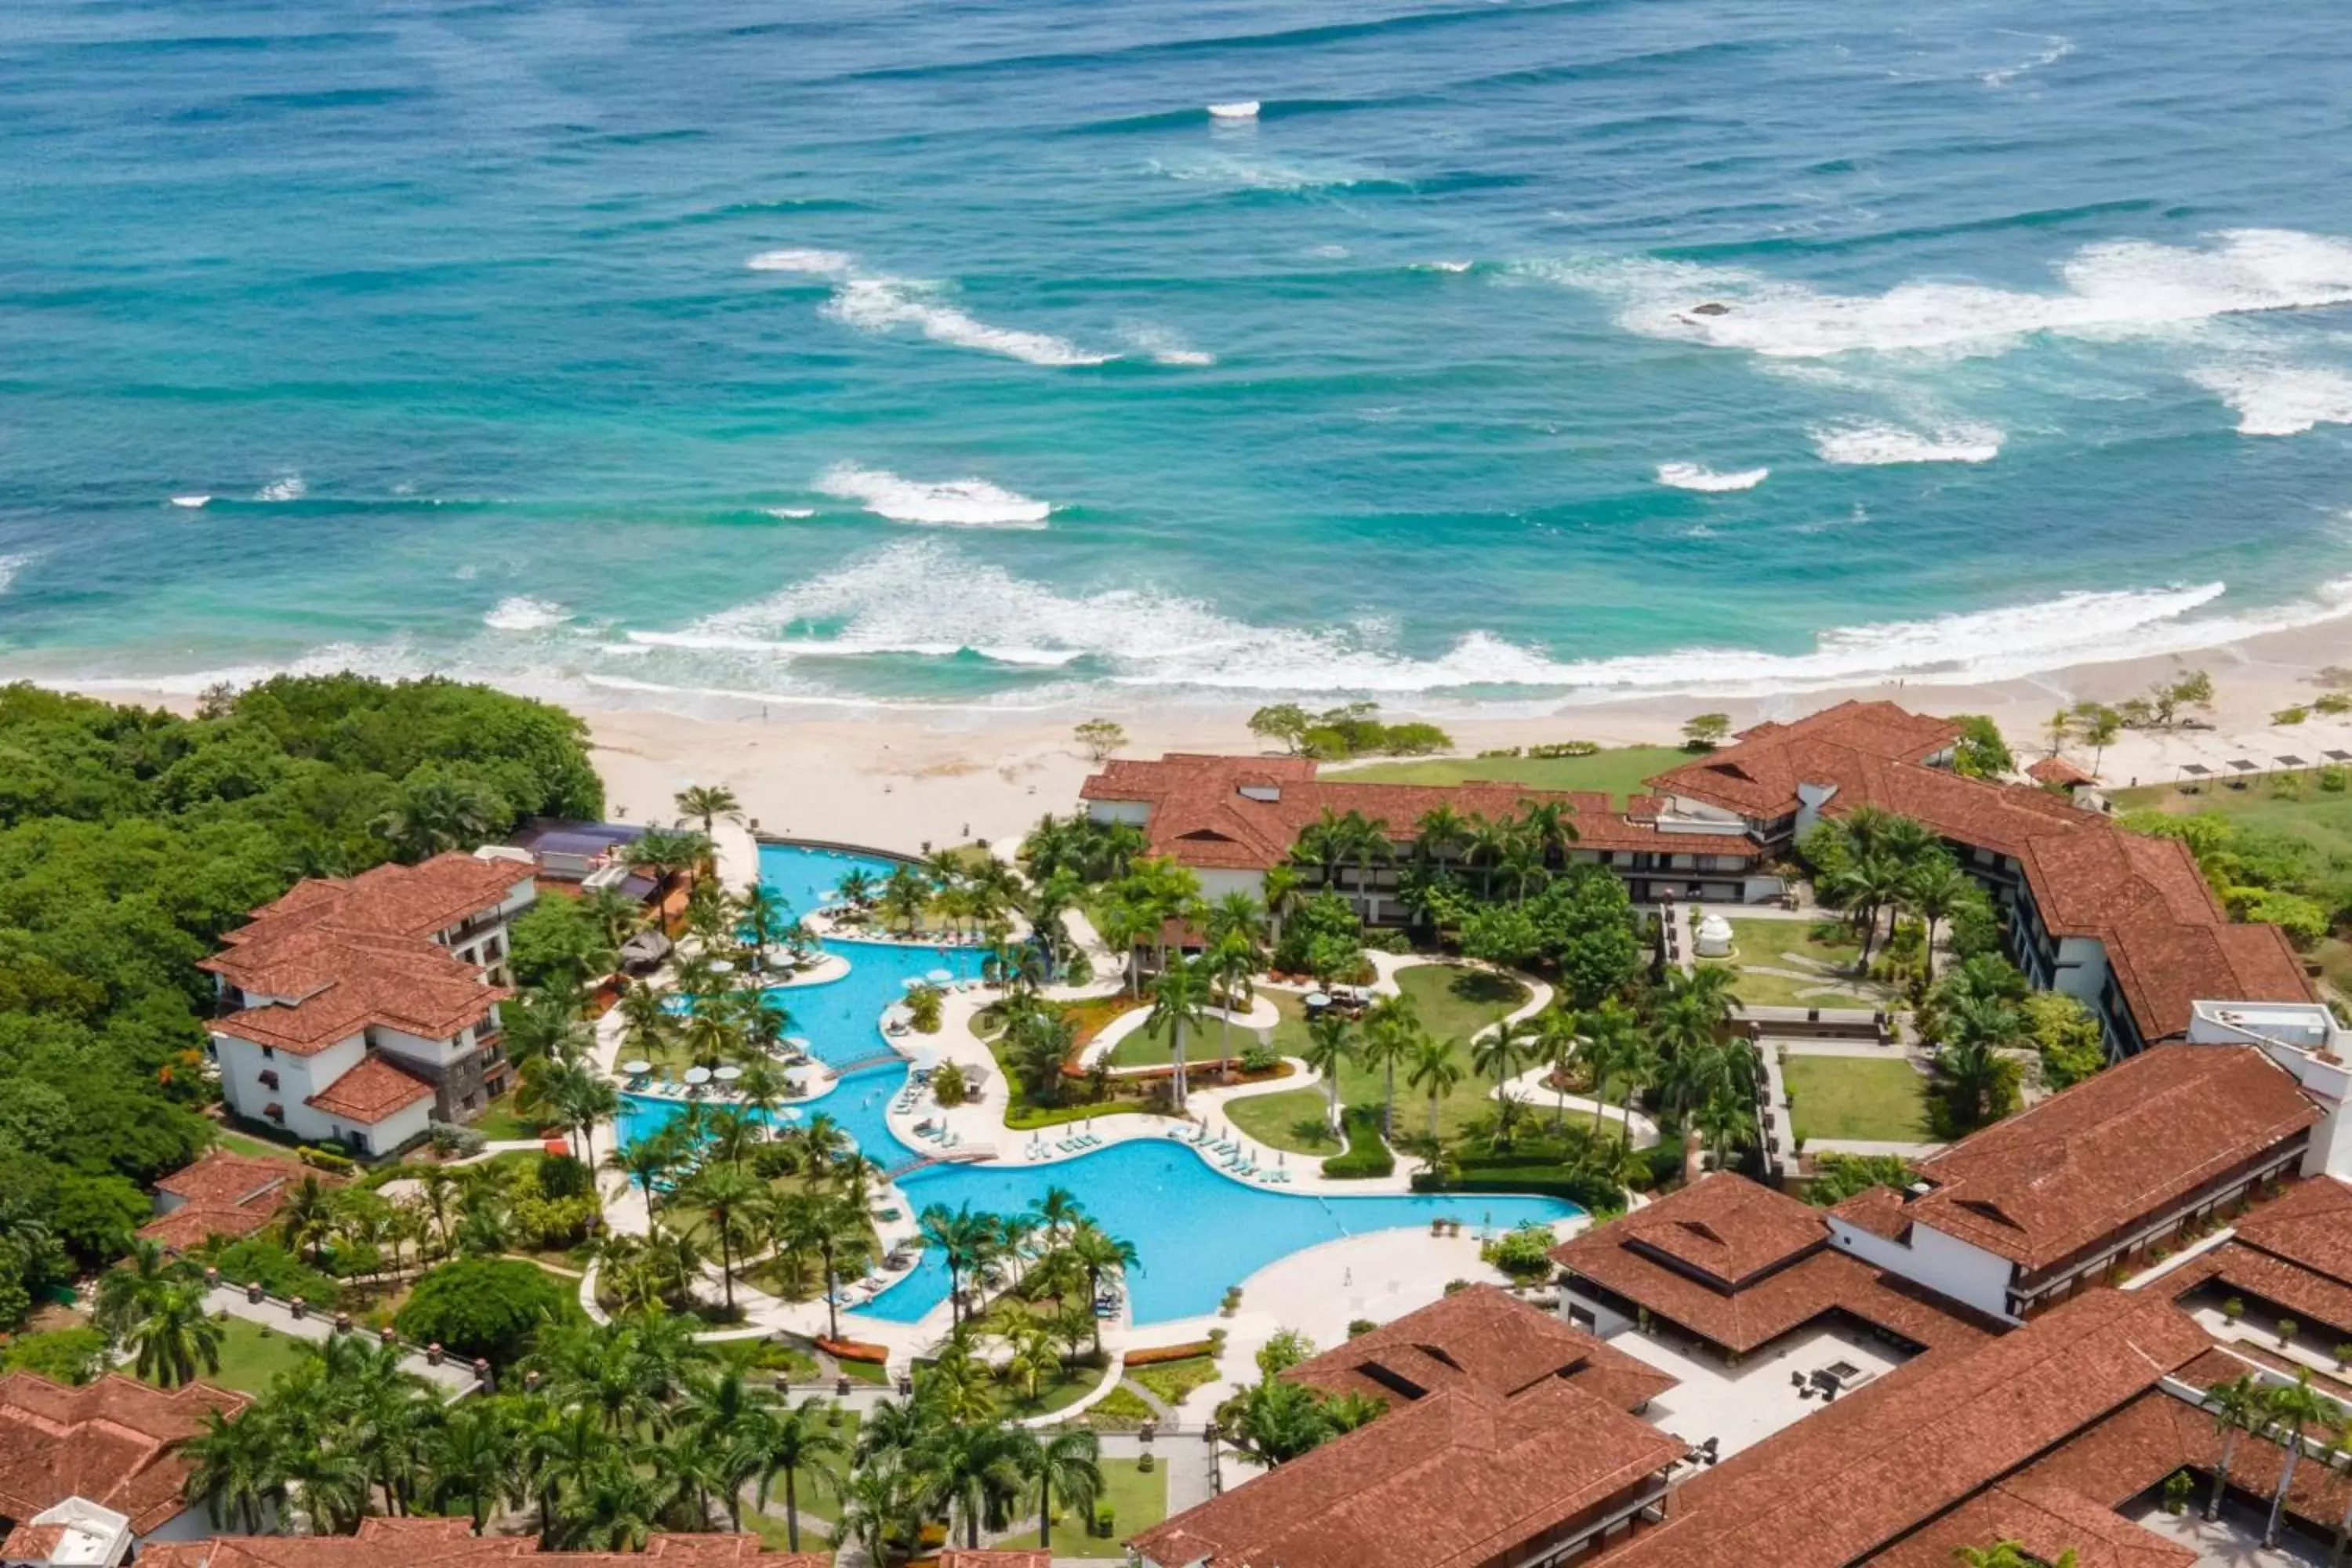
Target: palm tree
(1440, 834)
(732, 1199)
(785, 1440)
(1330, 1046)
(2291, 1407)
(1100, 1253)
(1934, 888)
(1547, 823)
(1391, 1029)
(308, 1215)
(471, 1455)
(1179, 994)
(881, 1507)
(132, 1288)
(975, 1473)
(1434, 1070)
(238, 1472)
(1278, 1420)
(1502, 1049)
(1062, 1465)
(2237, 1407)
(1279, 889)
(1614, 1050)
(709, 803)
(175, 1337)
(1727, 1122)
(963, 1239)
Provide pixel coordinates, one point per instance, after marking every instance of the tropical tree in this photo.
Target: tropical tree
(2237, 1406)
(2291, 1407)
(731, 1200)
(1435, 1069)
(966, 1241)
(175, 1336)
(1934, 886)
(1391, 1029)
(1330, 1046)
(975, 1473)
(1179, 1002)
(471, 1459)
(1064, 1466)
(1616, 1052)
(706, 803)
(238, 1472)
(1276, 1420)
(786, 1440)
(1500, 1050)
(1100, 1253)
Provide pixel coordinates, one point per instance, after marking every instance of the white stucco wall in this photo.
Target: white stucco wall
(1607, 1321)
(1217, 881)
(2082, 969)
(242, 1063)
(1965, 1272)
(1135, 812)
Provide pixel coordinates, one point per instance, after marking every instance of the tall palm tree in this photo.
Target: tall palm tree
(306, 1218)
(786, 1440)
(132, 1288)
(1279, 889)
(2237, 1407)
(707, 804)
(1547, 822)
(1934, 888)
(1434, 1069)
(1064, 1466)
(1234, 960)
(1503, 1048)
(472, 1456)
(175, 1337)
(2291, 1407)
(1440, 835)
(1178, 999)
(1614, 1050)
(237, 1474)
(975, 1473)
(733, 1200)
(1100, 1253)
(1330, 1046)
(964, 1239)
(1391, 1026)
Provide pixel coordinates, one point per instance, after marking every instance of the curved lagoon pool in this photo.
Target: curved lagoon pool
(1196, 1231)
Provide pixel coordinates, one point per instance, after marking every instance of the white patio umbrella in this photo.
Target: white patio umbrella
(634, 1068)
(729, 1073)
(939, 977)
(697, 1076)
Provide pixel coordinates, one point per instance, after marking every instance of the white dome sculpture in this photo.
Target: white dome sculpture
(1713, 937)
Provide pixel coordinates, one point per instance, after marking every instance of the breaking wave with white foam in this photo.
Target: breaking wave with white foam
(879, 302)
(2117, 286)
(1871, 443)
(1167, 347)
(522, 613)
(1698, 477)
(285, 487)
(926, 599)
(2275, 399)
(10, 565)
(191, 503)
(949, 503)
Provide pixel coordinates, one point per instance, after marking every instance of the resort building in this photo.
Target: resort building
(223, 1195)
(1229, 820)
(2053, 1200)
(87, 1474)
(1507, 1443)
(2124, 922)
(414, 1543)
(361, 1009)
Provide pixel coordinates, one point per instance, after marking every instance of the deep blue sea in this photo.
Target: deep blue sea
(962, 353)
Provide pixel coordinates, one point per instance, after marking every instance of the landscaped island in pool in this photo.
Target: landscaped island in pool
(1195, 1231)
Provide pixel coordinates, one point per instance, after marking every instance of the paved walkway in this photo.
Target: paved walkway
(1529, 1086)
(455, 1377)
(1872, 1146)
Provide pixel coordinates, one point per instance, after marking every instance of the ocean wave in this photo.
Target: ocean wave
(10, 566)
(1166, 347)
(1246, 110)
(2275, 399)
(790, 514)
(879, 302)
(951, 503)
(2124, 286)
(1698, 477)
(191, 503)
(285, 487)
(916, 599)
(1873, 443)
(2055, 46)
(1440, 266)
(522, 613)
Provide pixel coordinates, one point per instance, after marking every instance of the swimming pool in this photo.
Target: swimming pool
(1196, 1231)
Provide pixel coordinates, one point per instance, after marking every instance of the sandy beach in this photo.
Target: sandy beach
(900, 778)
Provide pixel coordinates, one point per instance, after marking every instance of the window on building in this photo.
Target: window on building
(268, 1053)
(273, 1111)
(268, 1078)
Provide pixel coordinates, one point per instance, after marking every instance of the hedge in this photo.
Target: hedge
(1366, 1156)
(855, 1349)
(1184, 1352)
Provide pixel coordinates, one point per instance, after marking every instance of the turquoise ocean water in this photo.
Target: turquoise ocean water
(959, 352)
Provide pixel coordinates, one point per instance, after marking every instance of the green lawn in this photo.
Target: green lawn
(819, 1498)
(499, 1124)
(1138, 1502)
(2314, 815)
(1292, 1119)
(251, 1355)
(1073, 1384)
(1791, 945)
(239, 1144)
(1620, 769)
(1854, 1097)
(1171, 1380)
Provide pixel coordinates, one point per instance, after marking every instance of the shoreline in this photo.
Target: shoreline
(901, 778)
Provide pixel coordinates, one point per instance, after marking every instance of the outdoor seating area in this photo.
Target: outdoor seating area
(1228, 1156)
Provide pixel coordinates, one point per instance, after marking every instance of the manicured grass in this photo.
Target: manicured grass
(499, 1124)
(251, 1355)
(1138, 1501)
(239, 1144)
(1171, 1380)
(820, 1497)
(1293, 1120)
(1620, 769)
(1854, 1097)
(1791, 945)
(1060, 1392)
(2313, 816)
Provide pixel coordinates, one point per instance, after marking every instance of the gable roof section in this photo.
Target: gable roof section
(416, 987)
(382, 1543)
(1482, 1337)
(225, 1193)
(113, 1443)
(1447, 1481)
(370, 1091)
(1758, 775)
(1853, 1479)
(2086, 1163)
(2309, 1225)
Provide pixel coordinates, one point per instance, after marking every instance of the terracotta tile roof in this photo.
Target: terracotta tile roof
(2309, 1225)
(32, 1543)
(1484, 1337)
(2049, 1522)
(1790, 1276)
(1878, 1210)
(1452, 1481)
(1852, 1481)
(225, 1193)
(370, 1091)
(1201, 818)
(2312, 1299)
(2118, 1147)
(113, 1442)
(2058, 770)
(996, 1560)
(448, 1543)
(2167, 940)
(1758, 775)
(393, 900)
(411, 985)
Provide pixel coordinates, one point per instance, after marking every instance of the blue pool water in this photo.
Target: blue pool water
(1196, 1231)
